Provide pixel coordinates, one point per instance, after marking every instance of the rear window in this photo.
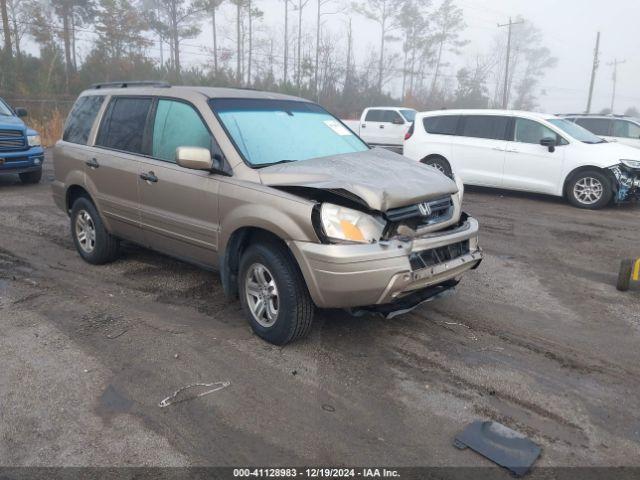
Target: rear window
(124, 124)
(81, 118)
(485, 126)
(443, 125)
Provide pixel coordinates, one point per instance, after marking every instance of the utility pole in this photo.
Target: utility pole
(596, 64)
(505, 93)
(615, 64)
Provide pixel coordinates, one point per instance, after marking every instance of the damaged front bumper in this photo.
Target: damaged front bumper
(627, 183)
(392, 276)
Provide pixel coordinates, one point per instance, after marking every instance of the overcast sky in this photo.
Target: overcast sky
(569, 28)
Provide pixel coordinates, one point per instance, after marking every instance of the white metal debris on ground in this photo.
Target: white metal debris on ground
(172, 399)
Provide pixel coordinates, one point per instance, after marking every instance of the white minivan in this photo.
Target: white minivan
(613, 128)
(526, 151)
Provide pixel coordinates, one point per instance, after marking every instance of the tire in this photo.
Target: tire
(624, 276)
(29, 178)
(440, 164)
(99, 247)
(590, 190)
(294, 309)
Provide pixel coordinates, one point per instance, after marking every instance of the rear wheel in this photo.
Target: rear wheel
(274, 295)
(590, 189)
(92, 240)
(31, 177)
(439, 164)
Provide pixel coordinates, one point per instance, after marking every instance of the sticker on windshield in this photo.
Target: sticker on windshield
(337, 127)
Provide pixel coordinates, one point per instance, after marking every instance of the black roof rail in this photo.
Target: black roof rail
(609, 115)
(133, 83)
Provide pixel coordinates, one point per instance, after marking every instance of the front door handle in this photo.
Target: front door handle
(93, 163)
(364, 126)
(498, 149)
(149, 177)
(381, 126)
(512, 150)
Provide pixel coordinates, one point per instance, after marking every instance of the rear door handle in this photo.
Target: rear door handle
(149, 177)
(498, 149)
(512, 150)
(381, 126)
(93, 163)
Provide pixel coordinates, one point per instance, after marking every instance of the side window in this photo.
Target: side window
(81, 118)
(444, 125)
(485, 126)
(177, 124)
(374, 116)
(597, 126)
(625, 129)
(530, 131)
(390, 116)
(124, 124)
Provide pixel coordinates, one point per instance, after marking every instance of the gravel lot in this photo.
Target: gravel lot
(537, 338)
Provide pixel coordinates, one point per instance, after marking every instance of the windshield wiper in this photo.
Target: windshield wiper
(262, 165)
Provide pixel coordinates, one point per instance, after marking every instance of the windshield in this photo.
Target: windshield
(271, 131)
(576, 131)
(5, 110)
(409, 115)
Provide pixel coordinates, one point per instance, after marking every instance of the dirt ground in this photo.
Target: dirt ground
(537, 338)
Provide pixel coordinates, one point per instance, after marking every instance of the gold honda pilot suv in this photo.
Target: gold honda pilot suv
(291, 207)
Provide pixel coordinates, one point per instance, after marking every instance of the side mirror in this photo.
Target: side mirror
(550, 143)
(195, 158)
(21, 112)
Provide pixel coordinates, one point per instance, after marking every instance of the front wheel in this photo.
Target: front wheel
(274, 295)
(590, 190)
(29, 178)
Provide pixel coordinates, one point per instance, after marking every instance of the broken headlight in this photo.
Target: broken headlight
(631, 163)
(343, 224)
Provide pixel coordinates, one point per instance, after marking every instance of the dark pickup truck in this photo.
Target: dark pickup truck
(21, 151)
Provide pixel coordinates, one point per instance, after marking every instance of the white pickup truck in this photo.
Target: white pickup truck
(383, 126)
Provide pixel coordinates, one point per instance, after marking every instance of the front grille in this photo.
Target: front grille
(436, 256)
(438, 211)
(12, 140)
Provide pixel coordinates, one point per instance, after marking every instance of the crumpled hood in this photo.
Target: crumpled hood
(382, 179)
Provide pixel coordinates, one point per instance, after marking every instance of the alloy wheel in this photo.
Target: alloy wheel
(588, 190)
(85, 231)
(262, 295)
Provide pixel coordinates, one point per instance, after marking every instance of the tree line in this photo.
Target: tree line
(411, 62)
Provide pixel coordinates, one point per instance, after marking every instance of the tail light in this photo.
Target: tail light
(409, 133)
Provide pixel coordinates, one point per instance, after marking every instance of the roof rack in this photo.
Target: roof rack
(612, 115)
(134, 83)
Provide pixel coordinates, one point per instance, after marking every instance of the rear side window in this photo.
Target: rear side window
(81, 118)
(177, 124)
(444, 125)
(124, 124)
(599, 126)
(485, 126)
(625, 129)
(374, 116)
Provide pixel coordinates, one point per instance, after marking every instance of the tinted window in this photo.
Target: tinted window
(5, 111)
(81, 118)
(445, 125)
(625, 129)
(177, 124)
(124, 124)
(599, 126)
(374, 116)
(410, 115)
(485, 126)
(529, 131)
(389, 116)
